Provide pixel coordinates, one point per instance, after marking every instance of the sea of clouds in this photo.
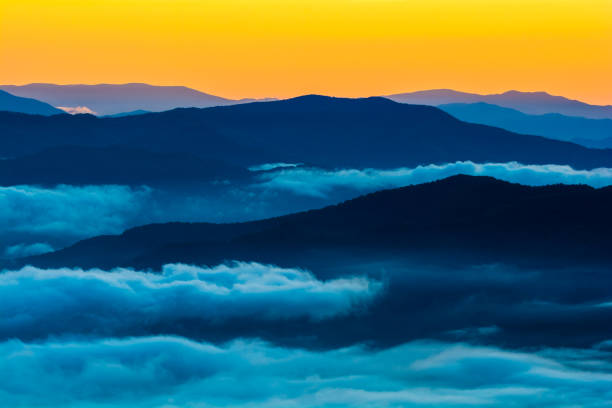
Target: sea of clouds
(161, 371)
(70, 210)
(53, 217)
(321, 183)
(38, 303)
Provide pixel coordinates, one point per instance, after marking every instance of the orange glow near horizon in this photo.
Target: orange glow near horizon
(283, 48)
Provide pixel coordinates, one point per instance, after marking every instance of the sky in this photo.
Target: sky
(283, 48)
(370, 329)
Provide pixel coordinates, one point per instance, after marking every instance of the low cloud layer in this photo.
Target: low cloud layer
(272, 166)
(174, 372)
(339, 306)
(37, 303)
(321, 183)
(21, 250)
(70, 210)
(63, 214)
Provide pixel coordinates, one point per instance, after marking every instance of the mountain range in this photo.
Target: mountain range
(595, 133)
(136, 98)
(529, 264)
(322, 131)
(463, 259)
(461, 216)
(111, 99)
(535, 103)
(12, 103)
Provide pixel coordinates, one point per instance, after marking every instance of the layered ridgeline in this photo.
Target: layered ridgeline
(535, 103)
(320, 131)
(480, 218)
(588, 132)
(111, 99)
(12, 103)
(462, 258)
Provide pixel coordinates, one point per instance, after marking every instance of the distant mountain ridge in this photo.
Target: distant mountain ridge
(536, 103)
(112, 99)
(323, 131)
(588, 132)
(12, 103)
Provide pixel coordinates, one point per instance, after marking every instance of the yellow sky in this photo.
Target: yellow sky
(281, 48)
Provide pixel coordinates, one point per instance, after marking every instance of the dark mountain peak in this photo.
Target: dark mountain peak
(321, 130)
(470, 213)
(459, 184)
(310, 99)
(446, 198)
(469, 180)
(460, 181)
(323, 99)
(373, 105)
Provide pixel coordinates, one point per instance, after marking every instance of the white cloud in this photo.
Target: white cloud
(175, 372)
(320, 183)
(63, 214)
(64, 301)
(75, 110)
(71, 210)
(272, 166)
(21, 250)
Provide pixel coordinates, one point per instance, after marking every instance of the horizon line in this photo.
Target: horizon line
(308, 93)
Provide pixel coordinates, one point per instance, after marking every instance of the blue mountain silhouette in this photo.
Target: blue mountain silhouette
(322, 131)
(111, 99)
(536, 103)
(589, 132)
(12, 103)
